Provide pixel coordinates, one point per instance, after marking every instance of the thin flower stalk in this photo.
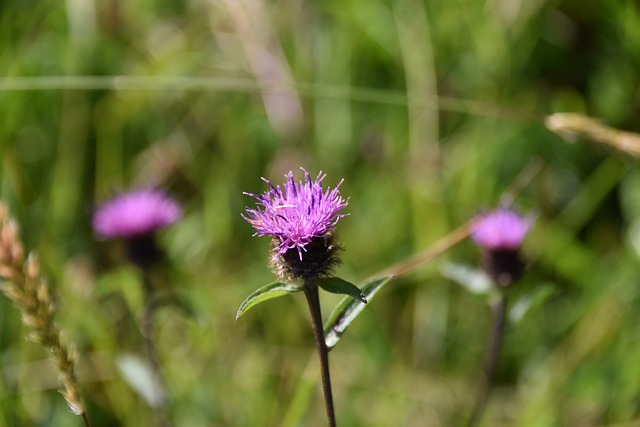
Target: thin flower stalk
(30, 292)
(148, 337)
(499, 234)
(135, 217)
(301, 218)
(313, 301)
(498, 320)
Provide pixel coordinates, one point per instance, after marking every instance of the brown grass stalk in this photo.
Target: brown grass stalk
(30, 292)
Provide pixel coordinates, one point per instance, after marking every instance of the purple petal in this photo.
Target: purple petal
(135, 213)
(501, 229)
(297, 212)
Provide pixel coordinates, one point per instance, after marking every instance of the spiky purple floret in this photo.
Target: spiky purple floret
(135, 213)
(501, 229)
(296, 213)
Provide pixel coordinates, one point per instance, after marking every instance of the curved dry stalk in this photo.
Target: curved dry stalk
(457, 235)
(575, 125)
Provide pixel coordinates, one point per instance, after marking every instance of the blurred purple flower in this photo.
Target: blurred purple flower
(500, 229)
(500, 233)
(297, 213)
(136, 213)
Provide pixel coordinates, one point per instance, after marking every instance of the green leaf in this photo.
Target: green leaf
(531, 301)
(265, 293)
(142, 378)
(472, 279)
(348, 309)
(335, 285)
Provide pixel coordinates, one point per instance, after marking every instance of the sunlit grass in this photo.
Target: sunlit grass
(430, 111)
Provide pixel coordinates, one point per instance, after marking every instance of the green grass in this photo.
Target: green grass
(428, 110)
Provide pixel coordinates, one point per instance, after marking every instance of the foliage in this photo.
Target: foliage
(428, 110)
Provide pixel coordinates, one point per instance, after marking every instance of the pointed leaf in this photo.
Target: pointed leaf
(336, 285)
(265, 293)
(141, 377)
(474, 280)
(348, 309)
(531, 301)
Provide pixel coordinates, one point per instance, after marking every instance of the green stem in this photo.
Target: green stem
(313, 300)
(498, 311)
(148, 334)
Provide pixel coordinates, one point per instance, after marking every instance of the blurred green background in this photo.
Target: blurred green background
(428, 109)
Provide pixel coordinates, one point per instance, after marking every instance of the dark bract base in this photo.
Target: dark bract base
(318, 260)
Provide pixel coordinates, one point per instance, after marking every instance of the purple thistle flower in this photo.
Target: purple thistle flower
(501, 229)
(301, 217)
(134, 214)
(297, 213)
(501, 233)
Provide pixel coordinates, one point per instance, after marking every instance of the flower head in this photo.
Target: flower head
(135, 213)
(301, 217)
(500, 229)
(501, 233)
